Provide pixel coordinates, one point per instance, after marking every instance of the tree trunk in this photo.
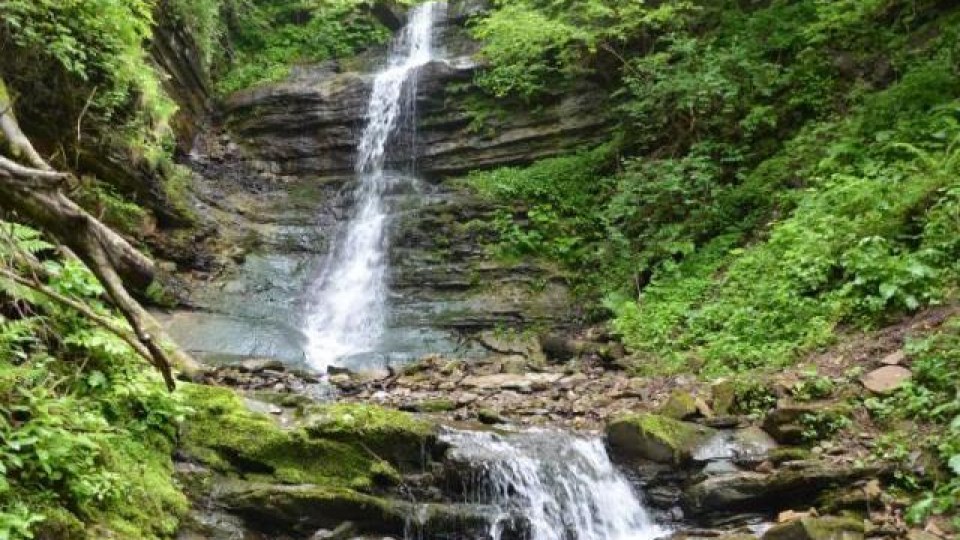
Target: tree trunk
(34, 194)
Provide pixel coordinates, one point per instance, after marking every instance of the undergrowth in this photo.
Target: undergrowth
(86, 433)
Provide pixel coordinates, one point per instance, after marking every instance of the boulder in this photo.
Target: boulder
(657, 438)
(799, 483)
(817, 528)
(886, 379)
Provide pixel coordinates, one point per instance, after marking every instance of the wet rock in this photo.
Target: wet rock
(886, 379)
(657, 438)
(799, 483)
(817, 528)
(490, 417)
(311, 507)
(390, 14)
(344, 531)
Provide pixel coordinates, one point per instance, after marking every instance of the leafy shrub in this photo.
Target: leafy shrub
(86, 433)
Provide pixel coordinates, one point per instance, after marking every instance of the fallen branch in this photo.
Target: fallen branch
(88, 313)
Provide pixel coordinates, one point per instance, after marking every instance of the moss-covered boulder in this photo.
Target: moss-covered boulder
(656, 437)
(397, 437)
(230, 439)
(817, 528)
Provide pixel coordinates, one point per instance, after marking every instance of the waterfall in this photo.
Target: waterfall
(550, 485)
(347, 306)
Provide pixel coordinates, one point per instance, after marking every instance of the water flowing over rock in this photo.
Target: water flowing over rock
(551, 485)
(347, 312)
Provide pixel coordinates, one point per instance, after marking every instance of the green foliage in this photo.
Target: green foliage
(92, 52)
(86, 434)
(530, 45)
(932, 400)
(767, 194)
(270, 36)
(549, 200)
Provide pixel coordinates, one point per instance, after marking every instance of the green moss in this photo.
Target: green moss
(436, 405)
(680, 405)
(151, 505)
(656, 437)
(397, 437)
(225, 435)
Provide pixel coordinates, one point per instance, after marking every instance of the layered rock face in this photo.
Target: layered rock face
(311, 123)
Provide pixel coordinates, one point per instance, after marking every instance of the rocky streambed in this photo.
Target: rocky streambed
(703, 465)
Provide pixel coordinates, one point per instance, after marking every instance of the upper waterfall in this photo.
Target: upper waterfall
(347, 306)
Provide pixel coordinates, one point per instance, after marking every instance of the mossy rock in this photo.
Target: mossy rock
(817, 528)
(724, 397)
(224, 435)
(433, 406)
(679, 406)
(400, 438)
(312, 507)
(656, 437)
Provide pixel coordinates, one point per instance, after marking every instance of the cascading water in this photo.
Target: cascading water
(557, 485)
(347, 308)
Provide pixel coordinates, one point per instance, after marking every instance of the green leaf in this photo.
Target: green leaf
(954, 464)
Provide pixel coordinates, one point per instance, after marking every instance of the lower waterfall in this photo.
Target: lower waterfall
(549, 485)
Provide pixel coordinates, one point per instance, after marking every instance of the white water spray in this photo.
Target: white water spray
(561, 486)
(347, 309)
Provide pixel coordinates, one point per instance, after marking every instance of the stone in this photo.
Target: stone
(894, 359)
(258, 365)
(299, 506)
(817, 528)
(344, 531)
(798, 485)
(724, 394)
(681, 405)
(390, 13)
(917, 534)
(793, 515)
(656, 437)
(559, 348)
(886, 379)
(509, 381)
(490, 417)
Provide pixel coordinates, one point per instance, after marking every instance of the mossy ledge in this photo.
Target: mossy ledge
(338, 446)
